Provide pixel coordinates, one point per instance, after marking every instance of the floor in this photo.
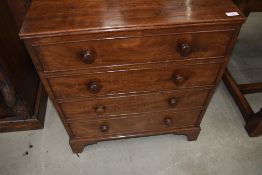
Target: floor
(223, 147)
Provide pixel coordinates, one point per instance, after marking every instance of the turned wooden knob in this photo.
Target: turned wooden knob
(172, 101)
(104, 128)
(100, 109)
(184, 49)
(178, 79)
(168, 121)
(88, 56)
(94, 86)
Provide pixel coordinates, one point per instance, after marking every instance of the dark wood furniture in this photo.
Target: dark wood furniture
(120, 69)
(22, 98)
(253, 120)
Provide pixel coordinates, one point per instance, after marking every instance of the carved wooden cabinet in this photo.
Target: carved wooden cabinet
(120, 69)
(22, 97)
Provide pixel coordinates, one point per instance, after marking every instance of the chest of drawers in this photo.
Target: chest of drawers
(118, 69)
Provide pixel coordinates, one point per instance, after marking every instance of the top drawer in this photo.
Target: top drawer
(133, 50)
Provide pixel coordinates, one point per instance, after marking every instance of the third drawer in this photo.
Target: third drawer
(133, 104)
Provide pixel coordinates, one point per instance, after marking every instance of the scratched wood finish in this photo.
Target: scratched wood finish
(108, 52)
(112, 67)
(143, 103)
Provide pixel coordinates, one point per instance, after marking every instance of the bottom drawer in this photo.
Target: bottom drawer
(142, 123)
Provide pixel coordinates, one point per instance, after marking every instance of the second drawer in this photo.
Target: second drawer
(134, 104)
(169, 76)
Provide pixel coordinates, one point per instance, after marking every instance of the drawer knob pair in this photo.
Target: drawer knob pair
(184, 49)
(104, 128)
(88, 56)
(167, 120)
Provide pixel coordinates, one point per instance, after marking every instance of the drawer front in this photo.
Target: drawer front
(134, 104)
(113, 52)
(149, 122)
(168, 76)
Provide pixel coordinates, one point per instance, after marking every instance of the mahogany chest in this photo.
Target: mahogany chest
(118, 69)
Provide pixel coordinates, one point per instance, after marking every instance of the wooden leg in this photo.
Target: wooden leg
(253, 120)
(254, 125)
(78, 146)
(238, 97)
(192, 135)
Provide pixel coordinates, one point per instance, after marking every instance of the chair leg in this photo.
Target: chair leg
(253, 120)
(254, 125)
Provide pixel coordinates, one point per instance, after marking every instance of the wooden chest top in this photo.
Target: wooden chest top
(63, 17)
